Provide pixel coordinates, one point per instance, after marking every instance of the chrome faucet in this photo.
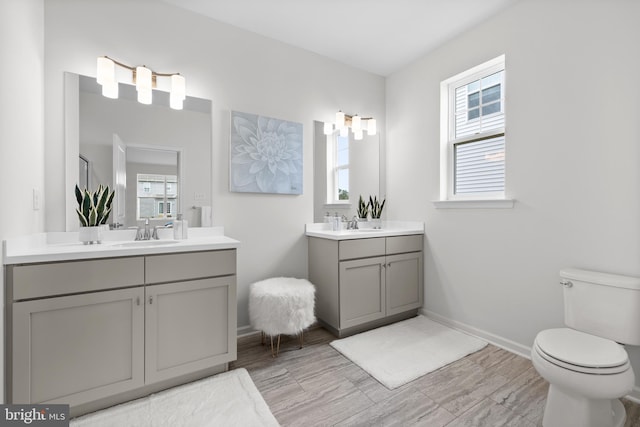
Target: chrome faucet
(353, 224)
(145, 233)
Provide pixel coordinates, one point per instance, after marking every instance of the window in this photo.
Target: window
(337, 169)
(157, 196)
(473, 136)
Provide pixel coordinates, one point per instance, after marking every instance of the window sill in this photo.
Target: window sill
(474, 204)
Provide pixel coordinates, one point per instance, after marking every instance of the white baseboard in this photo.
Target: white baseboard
(634, 396)
(498, 341)
(245, 330)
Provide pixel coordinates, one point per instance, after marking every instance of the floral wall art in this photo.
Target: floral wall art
(266, 155)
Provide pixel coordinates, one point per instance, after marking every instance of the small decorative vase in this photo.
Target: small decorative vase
(376, 223)
(90, 235)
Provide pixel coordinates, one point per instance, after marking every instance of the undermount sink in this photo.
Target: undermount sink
(366, 230)
(137, 243)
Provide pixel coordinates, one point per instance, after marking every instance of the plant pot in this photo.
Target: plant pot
(90, 235)
(363, 223)
(376, 223)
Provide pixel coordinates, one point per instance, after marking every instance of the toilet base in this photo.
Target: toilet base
(566, 409)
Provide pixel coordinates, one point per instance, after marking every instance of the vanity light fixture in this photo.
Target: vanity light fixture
(145, 80)
(356, 123)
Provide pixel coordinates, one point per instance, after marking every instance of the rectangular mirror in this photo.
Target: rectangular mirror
(158, 159)
(343, 169)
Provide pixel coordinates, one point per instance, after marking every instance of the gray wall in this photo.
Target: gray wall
(237, 70)
(572, 164)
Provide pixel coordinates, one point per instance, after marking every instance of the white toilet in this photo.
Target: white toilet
(586, 367)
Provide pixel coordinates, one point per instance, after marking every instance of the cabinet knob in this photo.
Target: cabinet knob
(150, 299)
(566, 283)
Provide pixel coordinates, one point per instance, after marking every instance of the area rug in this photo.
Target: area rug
(228, 399)
(399, 353)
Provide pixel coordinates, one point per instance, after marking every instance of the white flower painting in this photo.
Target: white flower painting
(266, 155)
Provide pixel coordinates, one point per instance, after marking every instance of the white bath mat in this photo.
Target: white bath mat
(401, 352)
(228, 399)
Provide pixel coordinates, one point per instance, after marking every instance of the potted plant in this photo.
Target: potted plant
(93, 211)
(363, 210)
(376, 211)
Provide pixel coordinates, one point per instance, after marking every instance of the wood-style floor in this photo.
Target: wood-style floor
(317, 386)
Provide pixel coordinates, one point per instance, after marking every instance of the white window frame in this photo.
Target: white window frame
(448, 140)
(333, 170)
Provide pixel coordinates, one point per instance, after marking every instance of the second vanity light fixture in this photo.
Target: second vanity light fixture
(356, 123)
(144, 79)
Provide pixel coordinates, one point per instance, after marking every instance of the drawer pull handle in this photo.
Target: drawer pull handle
(150, 299)
(137, 300)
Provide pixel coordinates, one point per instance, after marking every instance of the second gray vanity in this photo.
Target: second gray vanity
(366, 278)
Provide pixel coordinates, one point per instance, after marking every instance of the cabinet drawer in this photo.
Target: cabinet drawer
(42, 280)
(361, 248)
(191, 265)
(403, 244)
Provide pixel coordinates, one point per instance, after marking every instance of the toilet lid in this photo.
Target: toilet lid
(580, 349)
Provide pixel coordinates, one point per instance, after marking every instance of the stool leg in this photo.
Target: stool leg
(262, 337)
(277, 350)
(301, 339)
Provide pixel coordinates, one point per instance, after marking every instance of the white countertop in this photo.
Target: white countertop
(65, 246)
(389, 228)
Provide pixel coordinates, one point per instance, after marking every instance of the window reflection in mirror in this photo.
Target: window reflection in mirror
(337, 168)
(343, 169)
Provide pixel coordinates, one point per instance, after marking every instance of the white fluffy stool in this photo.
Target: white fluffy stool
(281, 305)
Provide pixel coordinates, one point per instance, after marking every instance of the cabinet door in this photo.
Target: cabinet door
(78, 348)
(404, 282)
(190, 326)
(362, 291)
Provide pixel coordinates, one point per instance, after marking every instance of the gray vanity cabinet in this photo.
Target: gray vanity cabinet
(404, 288)
(187, 326)
(362, 291)
(74, 348)
(98, 332)
(191, 320)
(365, 283)
(78, 348)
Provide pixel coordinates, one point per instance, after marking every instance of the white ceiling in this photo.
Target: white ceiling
(379, 36)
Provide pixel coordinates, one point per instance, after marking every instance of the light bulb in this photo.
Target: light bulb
(144, 79)
(357, 134)
(110, 90)
(106, 71)
(356, 123)
(372, 128)
(339, 119)
(178, 87)
(176, 102)
(145, 96)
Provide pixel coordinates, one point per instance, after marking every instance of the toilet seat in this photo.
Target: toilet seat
(581, 352)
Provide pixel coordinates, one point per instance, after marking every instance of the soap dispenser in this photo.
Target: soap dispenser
(180, 228)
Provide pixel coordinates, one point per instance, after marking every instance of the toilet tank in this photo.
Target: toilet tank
(602, 304)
